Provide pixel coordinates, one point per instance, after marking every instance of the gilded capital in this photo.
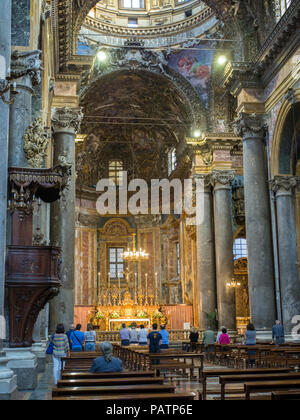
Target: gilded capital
(283, 183)
(66, 119)
(27, 63)
(249, 126)
(222, 177)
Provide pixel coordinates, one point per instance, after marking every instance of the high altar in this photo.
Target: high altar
(131, 307)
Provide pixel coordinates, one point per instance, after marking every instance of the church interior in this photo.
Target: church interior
(114, 114)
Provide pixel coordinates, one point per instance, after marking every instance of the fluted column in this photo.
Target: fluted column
(252, 129)
(284, 186)
(26, 73)
(222, 180)
(206, 273)
(65, 123)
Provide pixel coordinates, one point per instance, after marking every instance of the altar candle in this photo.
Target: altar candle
(146, 275)
(108, 280)
(119, 282)
(98, 289)
(156, 284)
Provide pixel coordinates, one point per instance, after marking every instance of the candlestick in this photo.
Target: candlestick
(98, 290)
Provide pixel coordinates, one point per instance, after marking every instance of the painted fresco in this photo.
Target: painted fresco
(195, 66)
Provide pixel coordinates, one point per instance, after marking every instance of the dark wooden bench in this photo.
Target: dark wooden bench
(88, 375)
(66, 383)
(215, 373)
(117, 389)
(164, 397)
(269, 386)
(235, 379)
(285, 395)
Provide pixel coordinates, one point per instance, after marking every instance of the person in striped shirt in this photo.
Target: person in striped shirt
(61, 349)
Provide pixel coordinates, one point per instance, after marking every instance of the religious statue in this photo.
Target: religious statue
(245, 299)
(35, 143)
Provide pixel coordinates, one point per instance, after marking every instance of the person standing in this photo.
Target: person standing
(61, 349)
(69, 332)
(194, 337)
(142, 336)
(219, 334)
(133, 335)
(154, 342)
(278, 334)
(208, 341)
(90, 338)
(250, 340)
(124, 336)
(77, 339)
(106, 363)
(165, 337)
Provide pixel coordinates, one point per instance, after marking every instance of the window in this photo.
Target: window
(172, 162)
(132, 4)
(178, 257)
(240, 248)
(116, 263)
(284, 4)
(115, 171)
(132, 23)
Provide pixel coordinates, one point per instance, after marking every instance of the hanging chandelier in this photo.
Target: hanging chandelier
(134, 255)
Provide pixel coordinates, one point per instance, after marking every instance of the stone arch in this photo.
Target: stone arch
(282, 145)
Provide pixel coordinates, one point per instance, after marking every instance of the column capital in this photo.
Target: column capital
(205, 180)
(284, 183)
(250, 126)
(66, 119)
(222, 178)
(26, 63)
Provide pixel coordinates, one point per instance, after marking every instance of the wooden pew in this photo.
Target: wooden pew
(285, 395)
(88, 375)
(170, 361)
(241, 379)
(269, 386)
(164, 397)
(67, 383)
(109, 390)
(215, 373)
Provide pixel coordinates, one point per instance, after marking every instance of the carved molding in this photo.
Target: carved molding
(66, 119)
(250, 126)
(222, 177)
(25, 63)
(35, 143)
(283, 183)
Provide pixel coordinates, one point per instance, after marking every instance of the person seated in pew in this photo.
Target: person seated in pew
(124, 336)
(278, 334)
(142, 336)
(224, 337)
(106, 363)
(165, 337)
(219, 335)
(154, 342)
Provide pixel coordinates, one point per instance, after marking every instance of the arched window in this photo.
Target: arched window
(172, 161)
(116, 171)
(240, 248)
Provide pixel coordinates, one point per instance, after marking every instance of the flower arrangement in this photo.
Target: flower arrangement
(157, 314)
(114, 315)
(99, 315)
(141, 314)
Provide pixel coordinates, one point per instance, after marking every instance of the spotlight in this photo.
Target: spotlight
(101, 55)
(222, 59)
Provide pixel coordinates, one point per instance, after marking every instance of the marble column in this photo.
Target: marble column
(65, 124)
(26, 73)
(284, 186)
(206, 273)
(222, 180)
(8, 380)
(252, 129)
